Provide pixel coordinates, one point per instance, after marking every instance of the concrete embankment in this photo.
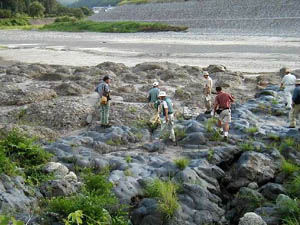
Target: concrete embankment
(225, 16)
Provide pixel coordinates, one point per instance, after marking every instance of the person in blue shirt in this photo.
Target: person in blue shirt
(103, 89)
(295, 111)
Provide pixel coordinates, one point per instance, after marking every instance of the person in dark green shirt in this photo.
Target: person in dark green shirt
(153, 94)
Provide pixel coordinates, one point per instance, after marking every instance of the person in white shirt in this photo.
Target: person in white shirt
(288, 82)
(207, 92)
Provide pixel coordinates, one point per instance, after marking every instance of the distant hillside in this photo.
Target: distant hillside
(92, 3)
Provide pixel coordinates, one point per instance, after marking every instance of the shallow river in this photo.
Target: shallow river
(242, 53)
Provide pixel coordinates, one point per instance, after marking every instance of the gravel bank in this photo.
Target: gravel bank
(222, 16)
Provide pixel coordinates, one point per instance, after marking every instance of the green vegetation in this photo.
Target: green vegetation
(116, 142)
(95, 204)
(210, 123)
(210, 154)
(289, 211)
(7, 220)
(64, 19)
(293, 187)
(274, 101)
(111, 27)
(182, 163)
(128, 159)
(166, 194)
(19, 151)
(14, 22)
(36, 9)
(39, 8)
(179, 133)
(247, 146)
(289, 168)
(252, 130)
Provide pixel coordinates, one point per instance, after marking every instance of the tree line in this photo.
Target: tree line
(39, 8)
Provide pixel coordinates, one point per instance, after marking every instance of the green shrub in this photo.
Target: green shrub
(293, 187)
(64, 19)
(291, 221)
(7, 220)
(289, 208)
(166, 194)
(182, 163)
(289, 168)
(5, 13)
(17, 150)
(96, 200)
(14, 22)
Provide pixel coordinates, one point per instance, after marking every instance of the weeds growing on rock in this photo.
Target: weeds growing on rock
(7, 220)
(166, 194)
(289, 168)
(96, 202)
(210, 154)
(252, 130)
(179, 133)
(19, 151)
(289, 209)
(293, 187)
(116, 142)
(182, 163)
(247, 146)
(210, 124)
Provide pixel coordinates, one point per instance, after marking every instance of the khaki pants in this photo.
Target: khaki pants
(225, 116)
(294, 114)
(288, 94)
(207, 101)
(168, 128)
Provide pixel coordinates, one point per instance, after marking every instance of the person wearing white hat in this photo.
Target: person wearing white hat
(288, 82)
(167, 119)
(295, 111)
(207, 92)
(153, 95)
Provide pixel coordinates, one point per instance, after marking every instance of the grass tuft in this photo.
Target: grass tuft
(289, 168)
(182, 163)
(166, 194)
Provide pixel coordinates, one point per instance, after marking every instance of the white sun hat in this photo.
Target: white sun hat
(205, 73)
(155, 84)
(162, 94)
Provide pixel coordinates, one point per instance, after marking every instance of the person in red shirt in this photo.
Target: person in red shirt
(222, 108)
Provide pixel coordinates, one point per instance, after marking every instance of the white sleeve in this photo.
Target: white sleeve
(165, 104)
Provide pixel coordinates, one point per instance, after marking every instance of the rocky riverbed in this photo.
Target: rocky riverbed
(222, 181)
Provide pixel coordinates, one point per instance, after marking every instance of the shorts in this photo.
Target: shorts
(225, 116)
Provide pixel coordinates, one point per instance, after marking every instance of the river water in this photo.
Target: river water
(237, 52)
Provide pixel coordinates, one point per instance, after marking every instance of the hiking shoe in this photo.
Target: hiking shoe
(107, 125)
(291, 127)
